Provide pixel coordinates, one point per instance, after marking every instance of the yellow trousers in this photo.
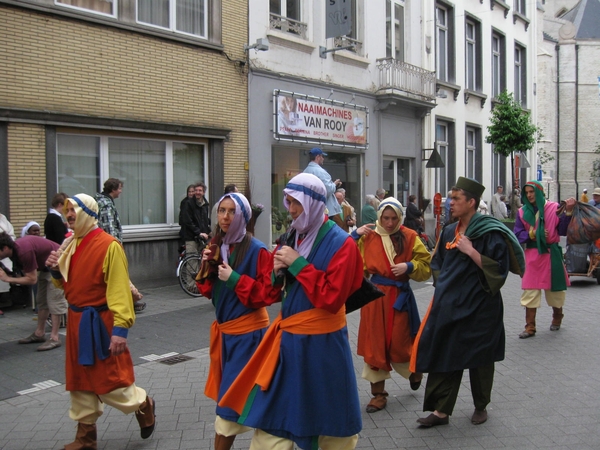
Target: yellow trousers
(86, 406)
(262, 440)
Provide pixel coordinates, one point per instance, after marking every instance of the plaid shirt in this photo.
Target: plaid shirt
(108, 217)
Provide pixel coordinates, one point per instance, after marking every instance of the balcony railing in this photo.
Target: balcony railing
(288, 25)
(406, 77)
(345, 41)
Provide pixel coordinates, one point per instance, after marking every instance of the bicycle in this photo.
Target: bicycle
(187, 269)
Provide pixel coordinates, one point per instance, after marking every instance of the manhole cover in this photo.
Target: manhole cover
(175, 359)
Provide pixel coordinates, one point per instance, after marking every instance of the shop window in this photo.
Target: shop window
(155, 173)
(289, 162)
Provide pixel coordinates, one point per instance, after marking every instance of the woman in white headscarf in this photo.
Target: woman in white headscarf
(235, 269)
(32, 228)
(393, 255)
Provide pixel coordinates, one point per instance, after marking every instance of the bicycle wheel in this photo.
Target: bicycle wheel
(187, 271)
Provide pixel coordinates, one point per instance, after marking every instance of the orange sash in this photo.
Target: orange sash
(261, 367)
(245, 324)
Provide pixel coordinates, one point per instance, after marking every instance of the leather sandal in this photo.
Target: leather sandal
(139, 306)
(378, 402)
(525, 335)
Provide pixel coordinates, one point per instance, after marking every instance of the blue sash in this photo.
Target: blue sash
(404, 302)
(93, 336)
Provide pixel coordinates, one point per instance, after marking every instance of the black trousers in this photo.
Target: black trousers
(442, 388)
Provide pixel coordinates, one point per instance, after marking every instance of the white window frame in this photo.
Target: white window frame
(471, 51)
(520, 7)
(470, 152)
(520, 93)
(442, 68)
(173, 20)
(172, 204)
(496, 64)
(91, 11)
(443, 146)
(391, 21)
(284, 9)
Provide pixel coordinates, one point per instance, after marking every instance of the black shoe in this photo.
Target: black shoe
(479, 417)
(432, 420)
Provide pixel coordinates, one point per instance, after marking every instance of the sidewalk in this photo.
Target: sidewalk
(545, 394)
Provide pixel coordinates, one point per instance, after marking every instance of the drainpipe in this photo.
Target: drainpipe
(557, 48)
(576, 118)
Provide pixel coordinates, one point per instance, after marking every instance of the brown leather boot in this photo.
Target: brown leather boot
(379, 401)
(223, 442)
(85, 439)
(557, 316)
(146, 417)
(529, 323)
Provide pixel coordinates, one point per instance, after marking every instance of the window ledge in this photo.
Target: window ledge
(446, 85)
(502, 4)
(113, 22)
(522, 18)
(350, 58)
(480, 95)
(290, 41)
(157, 232)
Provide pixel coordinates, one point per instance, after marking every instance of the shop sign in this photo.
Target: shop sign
(304, 118)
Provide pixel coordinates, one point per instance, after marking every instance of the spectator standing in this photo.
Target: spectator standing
(393, 255)
(55, 227)
(495, 201)
(317, 157)
(584, 197)
(190, 194)
(6, 227)
(414, 216)
(380, 194)
(309, 395)
(29, 254)
(595, 201)
(369, 211)
(239, 282)
(344, 218)
(499, 211)
(538, 228)
(196, 220)
(108, 218)
(99, 369)
(109, 221)
(32, 229)
(464, 327)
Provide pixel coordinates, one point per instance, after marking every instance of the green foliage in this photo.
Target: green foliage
(511, 129)
(596, 164)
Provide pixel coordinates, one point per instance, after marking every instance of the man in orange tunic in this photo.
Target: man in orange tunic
(92, 270)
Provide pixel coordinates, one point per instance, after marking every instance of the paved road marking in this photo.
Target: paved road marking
(40, 386)
(153, 357)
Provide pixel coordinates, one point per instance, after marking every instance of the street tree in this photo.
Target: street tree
(511, 130)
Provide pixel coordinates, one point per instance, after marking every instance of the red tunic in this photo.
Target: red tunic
(87, 287)
(384, 333)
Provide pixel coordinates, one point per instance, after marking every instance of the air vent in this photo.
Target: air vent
(172, 360)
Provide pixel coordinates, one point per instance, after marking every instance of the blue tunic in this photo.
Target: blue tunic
(237, 349)
(314, 391)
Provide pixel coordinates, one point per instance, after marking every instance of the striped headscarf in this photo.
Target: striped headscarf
(310, 192)
(86, 210)
(237, 228)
